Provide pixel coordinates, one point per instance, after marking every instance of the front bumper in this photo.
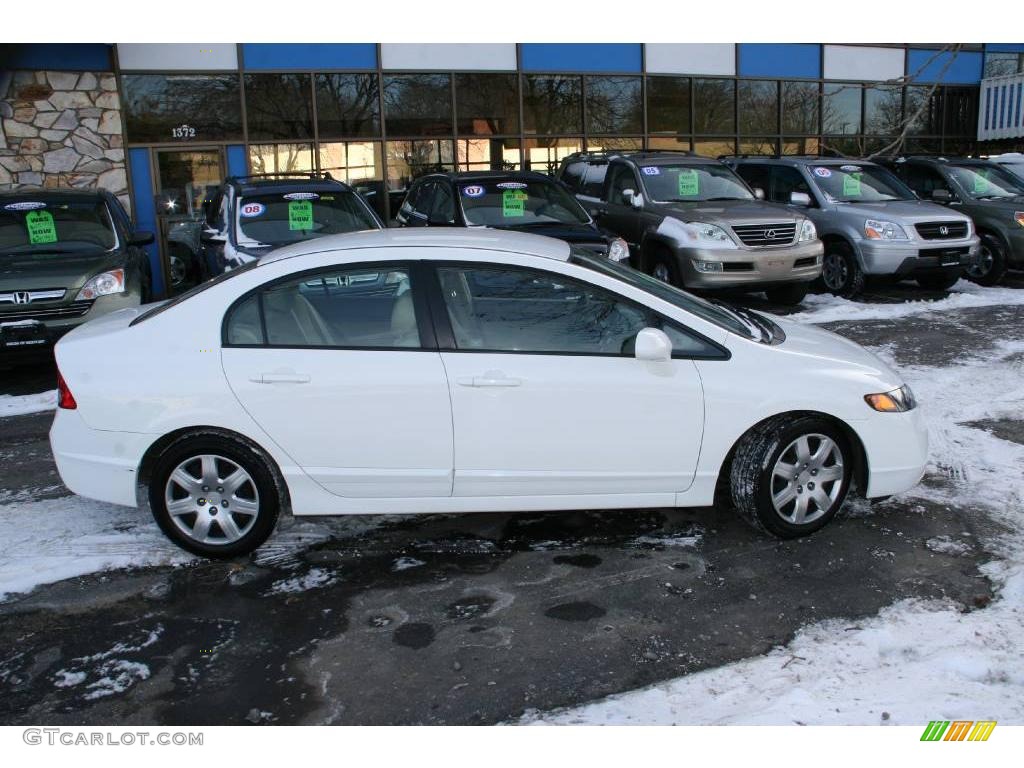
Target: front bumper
(751, 268)
(907, 258)
(25, 332)
(896, 446)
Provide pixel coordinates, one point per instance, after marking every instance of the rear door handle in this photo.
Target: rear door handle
(280, 378)
(489, 380)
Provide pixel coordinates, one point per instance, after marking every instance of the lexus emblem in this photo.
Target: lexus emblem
(770, 234)
(22, 297)
(943, 230)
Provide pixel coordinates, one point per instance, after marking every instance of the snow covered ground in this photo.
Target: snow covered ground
(19, 405)
(916, 661)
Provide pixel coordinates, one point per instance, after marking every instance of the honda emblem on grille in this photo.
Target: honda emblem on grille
(22, 297)
(770, 234)
(943, 230)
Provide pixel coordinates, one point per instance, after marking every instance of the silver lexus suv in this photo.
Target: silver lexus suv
(870, 222)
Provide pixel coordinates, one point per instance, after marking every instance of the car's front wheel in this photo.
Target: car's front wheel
(840, 272)
(213, 496)
(790, 475)
(665, 269)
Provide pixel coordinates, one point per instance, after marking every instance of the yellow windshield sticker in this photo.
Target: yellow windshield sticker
(41, 229)
(513, 203)
(851, 185)
(300, 214)
(689, 183)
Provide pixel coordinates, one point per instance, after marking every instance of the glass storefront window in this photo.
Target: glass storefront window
(883, 110)
(714, 147)
(841, 108)
(714, 106)
(800, 107)
(408, 160)
(418, 105)
(347, 105)
(614, 105)
(552, 104)
(281, 158)
(487, 104)
(961, 112)
(617, 143)
(758, 106)
(488, 154)
(351, 161)
(544, 155)
(999, 64)
(668, 104)
(669, 142)
(278, 107)
(168, 108)
(758, 147)
(802, 145)
(929, 122)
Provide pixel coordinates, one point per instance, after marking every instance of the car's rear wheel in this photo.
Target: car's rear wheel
(789, 295)
(940, 281)
(214, 496)
(790, 475)
(991, 263)
(840, 272)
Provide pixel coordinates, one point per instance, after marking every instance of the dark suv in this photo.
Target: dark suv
(252, 215)
(66, 256)
(519, 200)
(988, 193)
(693, 222)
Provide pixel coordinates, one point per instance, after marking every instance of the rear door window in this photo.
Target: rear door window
(593, 180)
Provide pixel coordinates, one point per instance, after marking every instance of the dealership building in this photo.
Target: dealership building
(146, 120)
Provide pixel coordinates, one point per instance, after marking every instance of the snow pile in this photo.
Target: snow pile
(110, 674)
(19, 405)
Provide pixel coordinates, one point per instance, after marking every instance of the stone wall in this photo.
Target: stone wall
(61, 129)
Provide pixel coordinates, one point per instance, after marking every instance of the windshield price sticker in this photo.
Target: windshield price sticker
(850, 168)
(851, 185)
(27, 206)
(511, 185)
(651, 170)
(473, 191)
(41, 228)
(302, 196)
(300, 215)
(251, 210)
(822, 172)
(513, 203)
(689, 183)
(980, 183)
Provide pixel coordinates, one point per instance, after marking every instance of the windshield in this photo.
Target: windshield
(288, 217)
(38, 226)
(512, 203)
(1016, 168)
(859, 184)
(743, 322)
(697, 182)
(987, 182)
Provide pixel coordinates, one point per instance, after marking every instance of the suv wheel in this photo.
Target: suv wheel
(790, 475)
(789, 295)
(213, 496)
(663, 268)
(991, 263)
(840, 272)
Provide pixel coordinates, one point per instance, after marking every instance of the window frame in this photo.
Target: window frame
(418, 279)
(445, 336)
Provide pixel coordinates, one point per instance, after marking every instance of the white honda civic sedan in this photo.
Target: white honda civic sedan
(408, 371)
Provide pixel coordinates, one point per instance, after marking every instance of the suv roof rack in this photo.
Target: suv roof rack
(607, 154)
(310, 175)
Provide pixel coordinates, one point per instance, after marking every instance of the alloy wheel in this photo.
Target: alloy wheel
(983, 264)
(178, 270)
(211, 499)
(807, 478)
(834, 271)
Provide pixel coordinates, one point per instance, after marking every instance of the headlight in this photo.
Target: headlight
(709, 235)
(807, 231)
(897, 401)
(618, 250)
(102, 284)
(1018, 216)
(883, 230)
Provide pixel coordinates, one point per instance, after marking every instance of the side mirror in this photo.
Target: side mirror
(942, 196)
(653, 345)
(141, 238)
(633, 198)
(800, 198)
(759, 193)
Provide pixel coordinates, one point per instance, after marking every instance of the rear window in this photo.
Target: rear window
(34, 225)
(194, 291)
(593, 181)
(282, 218)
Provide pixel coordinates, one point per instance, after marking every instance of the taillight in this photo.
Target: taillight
(64, 397)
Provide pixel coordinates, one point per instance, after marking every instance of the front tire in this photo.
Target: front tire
(840, 273)
(665, 269)
(788, 295)
(790, 475)
(213, 496)
(991, 264)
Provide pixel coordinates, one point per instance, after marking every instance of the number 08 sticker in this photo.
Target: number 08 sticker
(252, 210)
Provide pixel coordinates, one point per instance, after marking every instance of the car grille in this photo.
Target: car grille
(66, 312)
(933, 230)
(765, 234)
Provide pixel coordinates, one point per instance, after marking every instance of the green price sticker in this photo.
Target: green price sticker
(300, 214)
(689, 183)
(980, 183)
(513, 203)
(41, 229)
(851, 185)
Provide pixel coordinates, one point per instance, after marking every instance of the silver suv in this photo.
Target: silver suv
(692, 222)
(870, 221)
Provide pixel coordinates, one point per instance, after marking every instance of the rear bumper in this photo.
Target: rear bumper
(896, 446)
(908, 258)
(749, 268)
(94, 463)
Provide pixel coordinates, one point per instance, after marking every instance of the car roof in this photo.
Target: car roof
(800, 160)
(488, 175)
(53, 193)
(272, 186)
(481, 238)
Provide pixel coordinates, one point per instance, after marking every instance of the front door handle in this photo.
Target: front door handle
(280, 378)
(490, 379)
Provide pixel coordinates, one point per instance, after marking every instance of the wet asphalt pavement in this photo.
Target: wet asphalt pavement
(474, 618)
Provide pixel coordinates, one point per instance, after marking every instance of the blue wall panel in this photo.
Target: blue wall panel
(779, 60)
(237, 165)
(309, 56)
(581, 57)
(58, 56)
(965, 69)
(145, 211)
(1004, 47)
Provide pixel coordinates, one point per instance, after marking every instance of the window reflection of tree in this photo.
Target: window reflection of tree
(552, 104)
(156, 103)
(347, 105)
(418, 105)
(278, 106)
(614, 105)
(714, 106)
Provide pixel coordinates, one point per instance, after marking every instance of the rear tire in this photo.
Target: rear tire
(790, 475)
(939, 282)
(841, 275)
(788, 295)
(214, 496)
(991, 264)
